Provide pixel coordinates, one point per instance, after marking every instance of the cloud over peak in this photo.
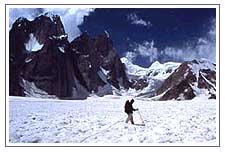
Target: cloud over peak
(71, 17)
(134, 19)
(204, 47)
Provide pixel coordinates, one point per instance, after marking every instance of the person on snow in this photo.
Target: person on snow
(129, 110)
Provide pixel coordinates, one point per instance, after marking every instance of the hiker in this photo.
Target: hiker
(129, 110)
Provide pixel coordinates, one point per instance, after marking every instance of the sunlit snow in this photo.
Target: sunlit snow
(33, 44)
(156, 70)
(102, 120)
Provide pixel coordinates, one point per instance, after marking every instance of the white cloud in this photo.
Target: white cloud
(205, 48)
(147, 49)
(137, 20)
(71, 17)
(131, 56)
(29, 13)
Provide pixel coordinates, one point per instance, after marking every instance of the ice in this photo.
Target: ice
(101, 120)
(61, 37)
(105, 72)
(33, 44)
(107, 33)
(61, 49)
(28, 60)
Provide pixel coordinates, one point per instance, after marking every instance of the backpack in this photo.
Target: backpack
(126, 106)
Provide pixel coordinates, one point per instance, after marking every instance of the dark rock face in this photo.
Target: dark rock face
(50, 67)
(42, 61)
(95, 55)
(17, 36)
(190, 79)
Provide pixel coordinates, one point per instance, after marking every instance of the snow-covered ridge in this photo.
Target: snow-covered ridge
(132, 68)
(202, 64)
(196, 67)
(191, 79)
(162, 71)
(156, 70)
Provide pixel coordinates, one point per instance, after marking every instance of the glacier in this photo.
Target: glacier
(101, 120)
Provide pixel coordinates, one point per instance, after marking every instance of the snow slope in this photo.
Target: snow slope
(101, 120)
(154, 76)
(156, 70)
(133, 69)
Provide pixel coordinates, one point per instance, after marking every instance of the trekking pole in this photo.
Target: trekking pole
(141, 118)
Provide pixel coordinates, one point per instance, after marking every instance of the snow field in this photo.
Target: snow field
(102, 120)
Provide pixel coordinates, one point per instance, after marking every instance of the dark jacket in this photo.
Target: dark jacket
(129, 108)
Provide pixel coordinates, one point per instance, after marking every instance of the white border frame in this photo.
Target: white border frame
(8, 6)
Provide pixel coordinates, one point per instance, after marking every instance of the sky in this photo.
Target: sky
(143, 35)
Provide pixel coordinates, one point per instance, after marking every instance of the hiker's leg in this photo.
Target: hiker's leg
(131, 118)
(127, 118)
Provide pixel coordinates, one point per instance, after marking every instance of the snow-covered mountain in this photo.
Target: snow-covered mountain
(147, 80)
(162, 71)
(133, 69)
(191, 79)
(156, 70)
(43, 63)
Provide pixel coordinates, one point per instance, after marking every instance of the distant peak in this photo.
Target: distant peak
(156, 64)
(200, 61)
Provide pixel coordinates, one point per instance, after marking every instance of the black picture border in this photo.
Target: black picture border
(6, 96)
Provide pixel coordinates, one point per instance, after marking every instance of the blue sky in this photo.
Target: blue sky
(147, 35)
(142, 35)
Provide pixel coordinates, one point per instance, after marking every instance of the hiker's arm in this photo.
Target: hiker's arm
(134, 109)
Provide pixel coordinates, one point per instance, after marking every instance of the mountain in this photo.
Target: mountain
(37, 64)
(191, 79)
(44, 64)
(147, 80)
(156, 70)
(99, 63)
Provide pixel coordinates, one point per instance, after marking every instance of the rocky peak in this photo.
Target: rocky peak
(44, 60)
(46, 26)
(189, 80)
(95, 54)
(41, 62)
